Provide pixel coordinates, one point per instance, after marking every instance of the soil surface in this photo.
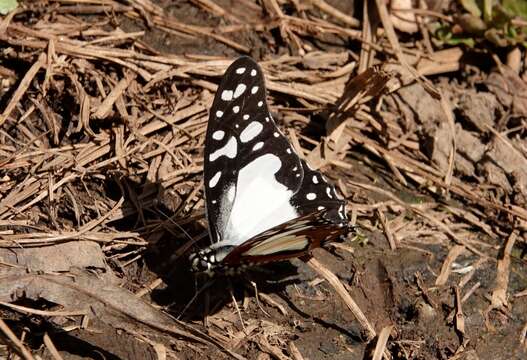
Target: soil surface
(99, 196)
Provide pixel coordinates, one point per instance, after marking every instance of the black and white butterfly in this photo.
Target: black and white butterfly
(263, 202)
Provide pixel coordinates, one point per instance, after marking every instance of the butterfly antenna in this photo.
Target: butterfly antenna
(186, 246)
(175, 223)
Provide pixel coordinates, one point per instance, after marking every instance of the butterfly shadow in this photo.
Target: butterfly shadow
(155, 213)
(190, 296)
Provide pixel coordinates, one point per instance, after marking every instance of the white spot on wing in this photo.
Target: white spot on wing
(240, 89)
(251, 131)
(276, 134)
(260, 103)
(320, 208)
(219, 113)
(240, 70)
(253, 72)
(258, 146)
(246, 117)
(261, 201)
(226, 95)
(315, 179)
(328, 192)
(342, 211)
(254, 89)
(288, 151)
(218, 135)
(214, 180)
(311, 196)
(229, 150)
(236, 109)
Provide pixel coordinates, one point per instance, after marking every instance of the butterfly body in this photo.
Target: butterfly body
(264, 203)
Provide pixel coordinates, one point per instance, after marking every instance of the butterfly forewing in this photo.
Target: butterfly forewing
(317, 195)
(250, 170)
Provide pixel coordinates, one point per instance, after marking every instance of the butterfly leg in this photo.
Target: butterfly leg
(206, 311)
(254, 287)
(235, 303)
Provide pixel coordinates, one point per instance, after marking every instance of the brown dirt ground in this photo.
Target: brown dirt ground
(392, 287)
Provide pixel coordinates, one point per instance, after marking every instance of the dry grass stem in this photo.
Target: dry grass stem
(344, 295)
(17, 345)
(380, 347)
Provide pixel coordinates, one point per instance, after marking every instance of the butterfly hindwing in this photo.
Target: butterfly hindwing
(294, 238)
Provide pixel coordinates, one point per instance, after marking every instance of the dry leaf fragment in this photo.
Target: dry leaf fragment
(402, 16)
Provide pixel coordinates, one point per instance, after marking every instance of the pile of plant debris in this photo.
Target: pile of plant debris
(418, 116)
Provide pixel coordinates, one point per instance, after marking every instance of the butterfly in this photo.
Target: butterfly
(263, 202)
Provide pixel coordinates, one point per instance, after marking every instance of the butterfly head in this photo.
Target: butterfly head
(209, 261)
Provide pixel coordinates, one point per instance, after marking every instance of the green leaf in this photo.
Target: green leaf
(487, 10)
(472, 7)
(500, 16)
(458, 41)
(516, 7)
(444, 35)
(511, 32)
(6, 6)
